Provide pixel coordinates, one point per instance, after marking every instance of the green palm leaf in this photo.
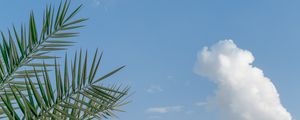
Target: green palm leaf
(27, 89)
(67, 100)
(19, 50)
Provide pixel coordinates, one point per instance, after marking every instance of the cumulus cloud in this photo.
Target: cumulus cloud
(243, 93)
(166, 109)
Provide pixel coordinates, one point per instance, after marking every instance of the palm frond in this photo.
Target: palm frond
(28, 47)
(26, 87)
(77, 94)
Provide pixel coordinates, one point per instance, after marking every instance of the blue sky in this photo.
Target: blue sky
(158, 41)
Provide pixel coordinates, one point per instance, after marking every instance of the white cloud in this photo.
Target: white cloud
(200, 104)
(170, 76)
(244, 93)
(154, 89)
(163, 110)
(189, 112)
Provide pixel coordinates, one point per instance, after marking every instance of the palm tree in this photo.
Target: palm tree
(27, 88)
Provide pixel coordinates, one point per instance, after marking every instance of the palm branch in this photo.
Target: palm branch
(26, 89)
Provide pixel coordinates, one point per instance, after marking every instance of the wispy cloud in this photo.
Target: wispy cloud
(154, 89)
(97, 2)
(200, 104)
(170, 76)
(163, 110)
(189, 112)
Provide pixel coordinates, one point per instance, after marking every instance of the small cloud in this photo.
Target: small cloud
(170, 77)
(189, 112)
(163, 110)
(154, 89)
(200, 104)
